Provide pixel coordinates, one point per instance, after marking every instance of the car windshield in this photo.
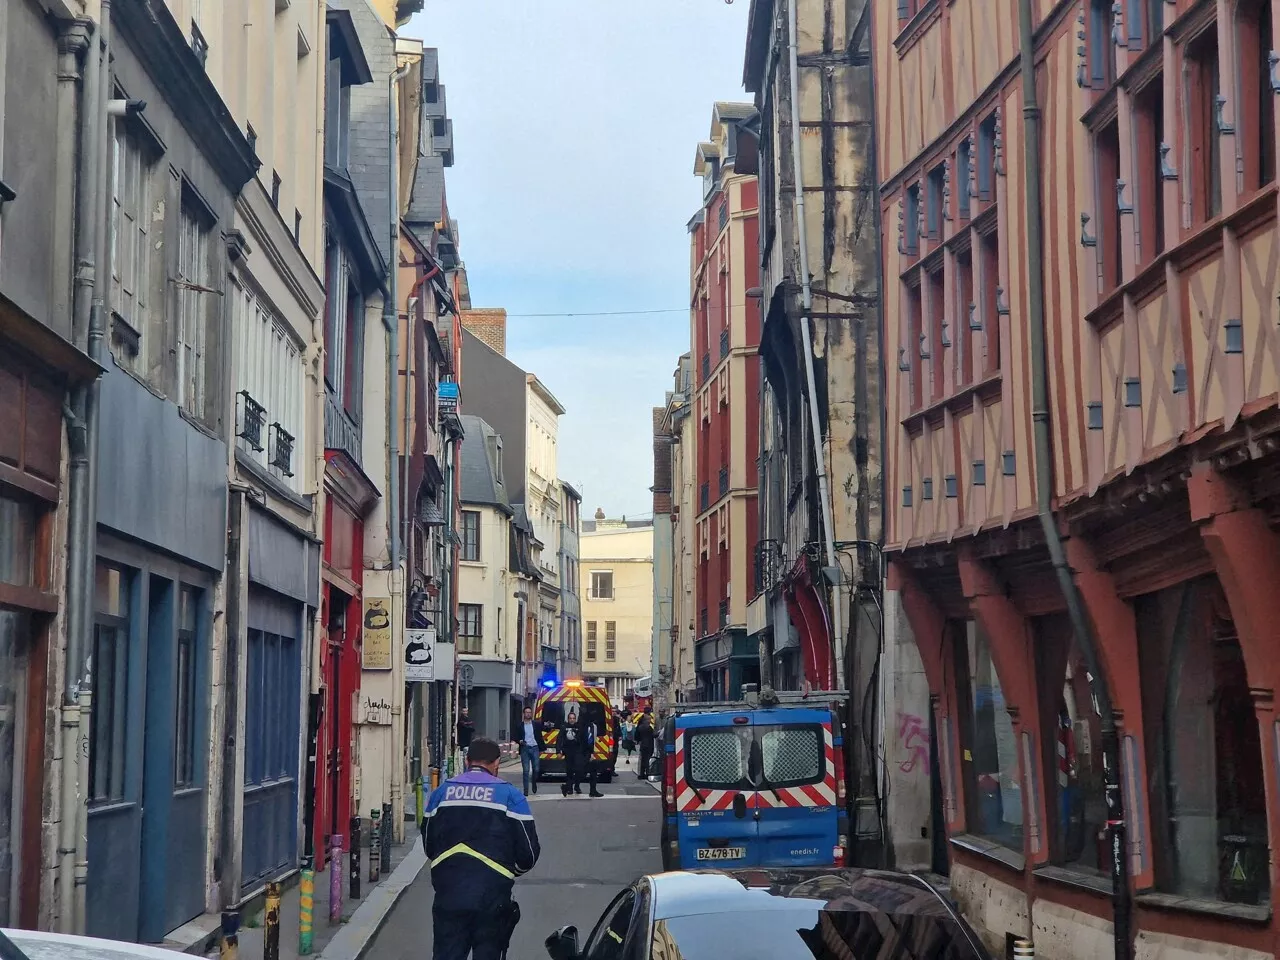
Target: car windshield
(808, 932)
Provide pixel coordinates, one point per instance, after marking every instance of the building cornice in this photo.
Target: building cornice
(166, 56)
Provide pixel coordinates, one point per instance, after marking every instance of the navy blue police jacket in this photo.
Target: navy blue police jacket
(478, 834)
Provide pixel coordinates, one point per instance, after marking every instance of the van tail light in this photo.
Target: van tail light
(841, 786)
(669, 786)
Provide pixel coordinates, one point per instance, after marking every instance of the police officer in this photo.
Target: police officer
(479, 836)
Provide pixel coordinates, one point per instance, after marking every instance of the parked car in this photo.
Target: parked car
(36, 945)
(775, 914)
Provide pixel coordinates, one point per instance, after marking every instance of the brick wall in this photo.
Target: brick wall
(661, 466)
(489, 326)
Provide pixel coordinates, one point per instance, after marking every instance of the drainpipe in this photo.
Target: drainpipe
(391, 313)
(1121, 899)
(806, 306)
(80, 548)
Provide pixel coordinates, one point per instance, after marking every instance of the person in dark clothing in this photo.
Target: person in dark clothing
(645, 737)
(466, 730)
(577, 743)
(478, 834)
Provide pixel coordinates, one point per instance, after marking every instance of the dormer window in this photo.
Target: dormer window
(710, 176)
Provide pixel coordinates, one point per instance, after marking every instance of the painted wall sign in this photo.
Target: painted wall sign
(377, 634)
(376, 711)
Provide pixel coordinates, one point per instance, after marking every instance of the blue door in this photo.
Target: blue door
(795, 777)
(714, 797)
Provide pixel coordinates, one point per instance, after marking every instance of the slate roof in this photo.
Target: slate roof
(426, 200)
(480, 487)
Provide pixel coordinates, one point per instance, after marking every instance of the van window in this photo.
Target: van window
(718, 758)
(791, 755)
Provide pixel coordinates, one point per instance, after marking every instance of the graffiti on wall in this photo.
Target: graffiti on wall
(913, 737)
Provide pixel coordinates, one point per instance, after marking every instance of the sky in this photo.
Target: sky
(575, 125)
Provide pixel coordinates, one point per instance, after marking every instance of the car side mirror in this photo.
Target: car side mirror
(563, 944)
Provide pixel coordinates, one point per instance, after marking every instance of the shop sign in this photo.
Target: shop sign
(377, 634)
(426, 659)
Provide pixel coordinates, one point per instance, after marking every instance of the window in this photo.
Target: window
(1256, 122)
(1102, 60)
(1107, 147)
(1208, 796)
(910, 362)
(931, 348)
(718, 758)
(470, 628)
(130, 225)
(960, 331)
(1203, 159)
(909, 8)
(989, 315)
(1072, 752)
(608, 940)
(986, 173)
(993, 788)
(964, 155)
(591, 639)
(790, 756)
(911, 221)
(611, 640)
(194, 291)
(18, 533)
(344, 334)
(269, 378)
(14, 647)
(1148, 196)
(470, 535)
(337, 112)
(935, 213)
(184, 768)
(110, 722)
(601, 585)
(1155, 20)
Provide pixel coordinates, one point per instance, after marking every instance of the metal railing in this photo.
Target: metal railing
(706, 367)
(724, 344)
(724, 480)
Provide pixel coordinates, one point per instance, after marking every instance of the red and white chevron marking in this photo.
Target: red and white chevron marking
(809, 795)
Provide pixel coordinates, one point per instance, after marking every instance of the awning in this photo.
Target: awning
(809, 614)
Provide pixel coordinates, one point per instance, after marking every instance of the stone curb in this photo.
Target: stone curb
(357, 934)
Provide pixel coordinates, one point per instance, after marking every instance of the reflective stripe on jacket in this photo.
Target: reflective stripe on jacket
(479, 835)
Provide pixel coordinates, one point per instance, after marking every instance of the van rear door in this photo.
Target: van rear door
(794, 772)
(714, 798)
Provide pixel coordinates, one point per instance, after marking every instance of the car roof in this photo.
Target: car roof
(56, 946)
(701, 892)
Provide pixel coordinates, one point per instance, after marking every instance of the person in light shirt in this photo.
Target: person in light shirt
(531, 744)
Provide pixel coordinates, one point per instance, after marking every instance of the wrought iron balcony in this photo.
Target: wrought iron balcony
(253, 417)
(281, 449)
(768, 564)
(341, 431)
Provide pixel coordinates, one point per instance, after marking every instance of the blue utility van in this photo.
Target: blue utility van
(754, 784)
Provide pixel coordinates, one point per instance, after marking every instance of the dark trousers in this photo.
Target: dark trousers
(458, 934)
(576, 769)
(646, 755)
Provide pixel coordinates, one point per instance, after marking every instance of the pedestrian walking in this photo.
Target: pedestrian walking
(628, 728)
(645, 737)
(531, 743)
(466, 730)
(479, 835)
(577, 743)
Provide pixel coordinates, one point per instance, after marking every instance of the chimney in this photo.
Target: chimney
(599, 513)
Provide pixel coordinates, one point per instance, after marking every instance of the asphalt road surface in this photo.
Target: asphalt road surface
(591, 849)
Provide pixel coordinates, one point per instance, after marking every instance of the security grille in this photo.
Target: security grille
(791, 755)
(717, 758)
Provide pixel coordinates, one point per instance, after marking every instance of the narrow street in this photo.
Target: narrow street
(590, 850)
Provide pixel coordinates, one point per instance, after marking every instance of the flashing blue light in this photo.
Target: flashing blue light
(548, 684)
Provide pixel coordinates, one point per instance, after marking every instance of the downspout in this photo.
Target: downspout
(806, 306)
(80, 546)
(391, 314)
(1121, 898)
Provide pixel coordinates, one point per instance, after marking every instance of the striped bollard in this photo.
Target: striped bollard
(306, 908)
(1023, 949)
(271, 924)
(335, 878)
(375, 844)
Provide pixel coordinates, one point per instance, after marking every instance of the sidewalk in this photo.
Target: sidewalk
(361, 919)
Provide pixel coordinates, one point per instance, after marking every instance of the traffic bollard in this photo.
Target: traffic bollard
(335, 878)
(1023, 949)
(375, 844)
(306, 907)
(271, 924)
(229, 948)
(353, 875)
(386, 838)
